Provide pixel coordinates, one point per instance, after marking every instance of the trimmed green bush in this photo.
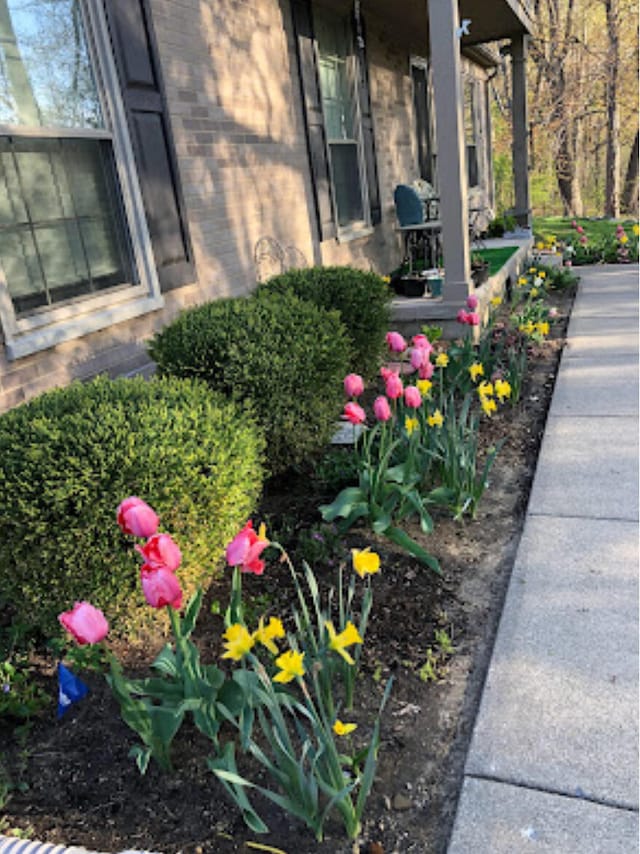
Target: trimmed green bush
(69, 457)
(363, 300)
(285, 357)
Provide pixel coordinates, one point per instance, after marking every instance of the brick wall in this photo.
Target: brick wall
(230, 75)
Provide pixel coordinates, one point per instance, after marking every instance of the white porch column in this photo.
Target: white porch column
(451, 159)
(520, 141)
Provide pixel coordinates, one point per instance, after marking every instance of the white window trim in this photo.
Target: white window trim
(46, 328)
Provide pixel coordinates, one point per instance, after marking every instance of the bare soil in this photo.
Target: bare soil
(73, 782)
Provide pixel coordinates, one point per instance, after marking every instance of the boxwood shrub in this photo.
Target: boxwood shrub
(363, 300)
(69, 457)
(284, 356)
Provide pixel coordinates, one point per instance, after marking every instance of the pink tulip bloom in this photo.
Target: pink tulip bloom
(395, 342)
(583, 239)
(574, 224)
(353, 385)
(245, 549)
(354, 413)
(472, 302)
(394, 387)
(381, 408)
(412, 397)
(161, 588)
(422, 343)
(462, 316)
(425, 371)
(473, 319)
(137, 518)
(580, 229)
(385, 373)
(86, 623)
(418, 358)
(160, 552)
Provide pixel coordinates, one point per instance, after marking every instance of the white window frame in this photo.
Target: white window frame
(361, 227)
(46, 327)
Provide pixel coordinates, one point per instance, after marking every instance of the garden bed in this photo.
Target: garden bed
(72, 780)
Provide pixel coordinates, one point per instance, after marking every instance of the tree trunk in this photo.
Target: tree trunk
(629, 203)
(612, 191)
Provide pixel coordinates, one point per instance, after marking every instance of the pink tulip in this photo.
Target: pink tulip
(422, 343)
(394, 387)
(86, 623)
(472, 302)
(574, 224)
(425, 372)
(584, 240)
(396, 342)
(412, 397)
(462, 316)
(385, 373)
(137, 518)
(353, 385)
(354, 413)
(580, 229)
(160, 552)
(161, 588)
(381, 408)
(473, 319)
(245, 549)
(418, 357)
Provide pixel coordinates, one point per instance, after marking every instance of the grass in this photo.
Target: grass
(497, 257)
(561, 227)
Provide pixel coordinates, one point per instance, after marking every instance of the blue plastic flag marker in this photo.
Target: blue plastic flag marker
(70, 689)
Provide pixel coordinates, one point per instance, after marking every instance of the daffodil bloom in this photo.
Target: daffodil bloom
(534, 292)
(435, 420)
(476, 370)
(539, 245)
(503, 390)
(485, 389)
(411, 424)
(624, 239)
(636, 230)
(523, 280)
(442, 360)
(343, 729)
(386, 279)
(424, 387)
(266, 634)
(238, 642)
(488, 405)
(346, 638)
(532, 269)
(542, 327)
(496, 301)
(528, 328)
(291, 664)
(365, 562)
(542, 274)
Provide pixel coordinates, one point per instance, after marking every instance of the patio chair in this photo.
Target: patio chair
(418, 232)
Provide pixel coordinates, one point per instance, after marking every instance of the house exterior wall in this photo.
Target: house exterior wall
(231, 82)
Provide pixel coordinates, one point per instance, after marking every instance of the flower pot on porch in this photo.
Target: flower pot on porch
(413, 286)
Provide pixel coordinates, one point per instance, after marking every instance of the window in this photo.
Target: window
(68, 196)
(423, 107)
(336, 65)
(471, 131)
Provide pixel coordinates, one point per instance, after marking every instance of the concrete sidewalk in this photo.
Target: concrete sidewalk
(553, 762)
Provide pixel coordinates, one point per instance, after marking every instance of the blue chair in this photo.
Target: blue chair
(418, 232)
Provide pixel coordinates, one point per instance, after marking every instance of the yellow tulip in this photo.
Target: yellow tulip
(365, 562)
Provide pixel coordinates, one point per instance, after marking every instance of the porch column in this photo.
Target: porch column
(520, 121)
(451, 158)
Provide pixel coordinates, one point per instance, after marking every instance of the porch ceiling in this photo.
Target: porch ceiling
(406, 20)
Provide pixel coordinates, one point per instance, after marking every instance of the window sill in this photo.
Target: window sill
(346, 235)
(23, 344)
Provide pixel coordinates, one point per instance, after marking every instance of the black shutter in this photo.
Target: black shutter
(368, 140)
(421, 107)
(314, 120)
(138, 67)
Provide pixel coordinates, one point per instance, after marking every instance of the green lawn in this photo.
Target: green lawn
(560, 226)
(497, 257)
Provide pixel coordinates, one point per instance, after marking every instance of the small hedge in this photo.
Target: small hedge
(69, 457)
(363, 300)
(284, 356)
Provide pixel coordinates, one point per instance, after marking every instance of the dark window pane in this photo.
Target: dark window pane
(346, 183)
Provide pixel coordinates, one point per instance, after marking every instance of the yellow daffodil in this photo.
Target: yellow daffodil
(488, 405)
(238, 642)
(411, 424)
(496, 301)
(476, 370)
(624, 239)
(523, 280)
(386, 279)
(365, 562)
(339, 642)
(485, 389)
(534, 292)
(435, 420)
(539, 245)
(532, 269)
(442, 360)
(542, 274)
(636, 230)
(343, 729)
(424, 387)
(291, 664)
(542, 327)
(266, 634)
(503, 390)
(528, 328)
